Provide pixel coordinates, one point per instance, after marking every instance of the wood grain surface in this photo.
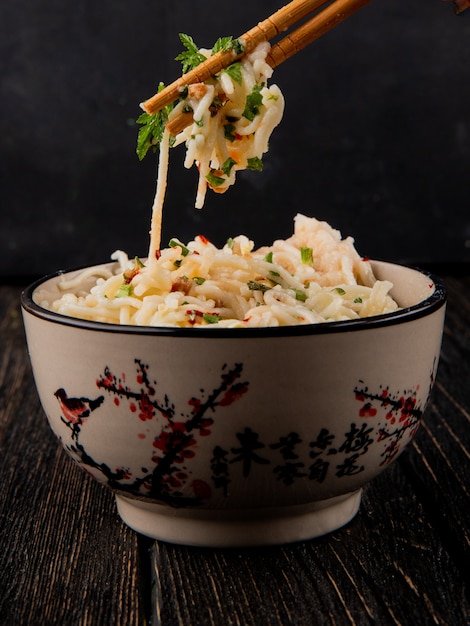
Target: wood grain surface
(66, 558)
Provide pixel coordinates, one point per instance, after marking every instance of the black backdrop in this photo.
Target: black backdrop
(375, 137)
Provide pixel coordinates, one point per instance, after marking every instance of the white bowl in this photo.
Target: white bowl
(231, 437)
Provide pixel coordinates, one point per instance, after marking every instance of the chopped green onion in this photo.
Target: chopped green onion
(340, 290)
(175, 243)
(300, 295)
(269, 257)
(199, 280)
(358, 300)
(211, 318)
(214, 181)
(124, 291)
(227, 166)
(306, 256)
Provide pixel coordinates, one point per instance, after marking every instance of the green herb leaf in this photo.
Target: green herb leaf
(211, 318)
(255, 164)
(152, 128)
(253, 101)
(227, 166)
(214, 180)
(191, 57)
(199, 280)
(223, 44)
(229, 132)
(238, 47)
(269, 257)
(358, 300)
(300, 295)
(124, 291)
(253, 285)
(340, 290)
(230, 242)
(235, 72)
(306, 256)
(174, 243)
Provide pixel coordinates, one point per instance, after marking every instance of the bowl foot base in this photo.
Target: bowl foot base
(234, 528)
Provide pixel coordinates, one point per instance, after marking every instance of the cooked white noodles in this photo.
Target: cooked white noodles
(314, 276)
(234, 115)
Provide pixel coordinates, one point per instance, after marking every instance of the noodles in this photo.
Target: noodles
(234, 114)
(314, 276)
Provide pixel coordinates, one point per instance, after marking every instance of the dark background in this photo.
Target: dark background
(375, 138)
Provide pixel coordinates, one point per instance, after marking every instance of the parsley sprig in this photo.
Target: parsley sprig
(152, 126)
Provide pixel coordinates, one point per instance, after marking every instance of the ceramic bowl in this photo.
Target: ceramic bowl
(237, 437)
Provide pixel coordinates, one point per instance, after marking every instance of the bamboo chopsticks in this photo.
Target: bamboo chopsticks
(336, 12)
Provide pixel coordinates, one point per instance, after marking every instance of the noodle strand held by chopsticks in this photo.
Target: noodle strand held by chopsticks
(234, 114)
(157, 208)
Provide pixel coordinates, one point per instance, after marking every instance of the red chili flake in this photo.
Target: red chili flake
(158, 254)
(193, 315)
(129, 275)
(365, 259)
(203, 239)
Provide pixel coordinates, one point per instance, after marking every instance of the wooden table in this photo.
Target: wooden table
(66, 558)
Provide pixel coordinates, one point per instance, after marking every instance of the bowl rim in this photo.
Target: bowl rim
(432, 303)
